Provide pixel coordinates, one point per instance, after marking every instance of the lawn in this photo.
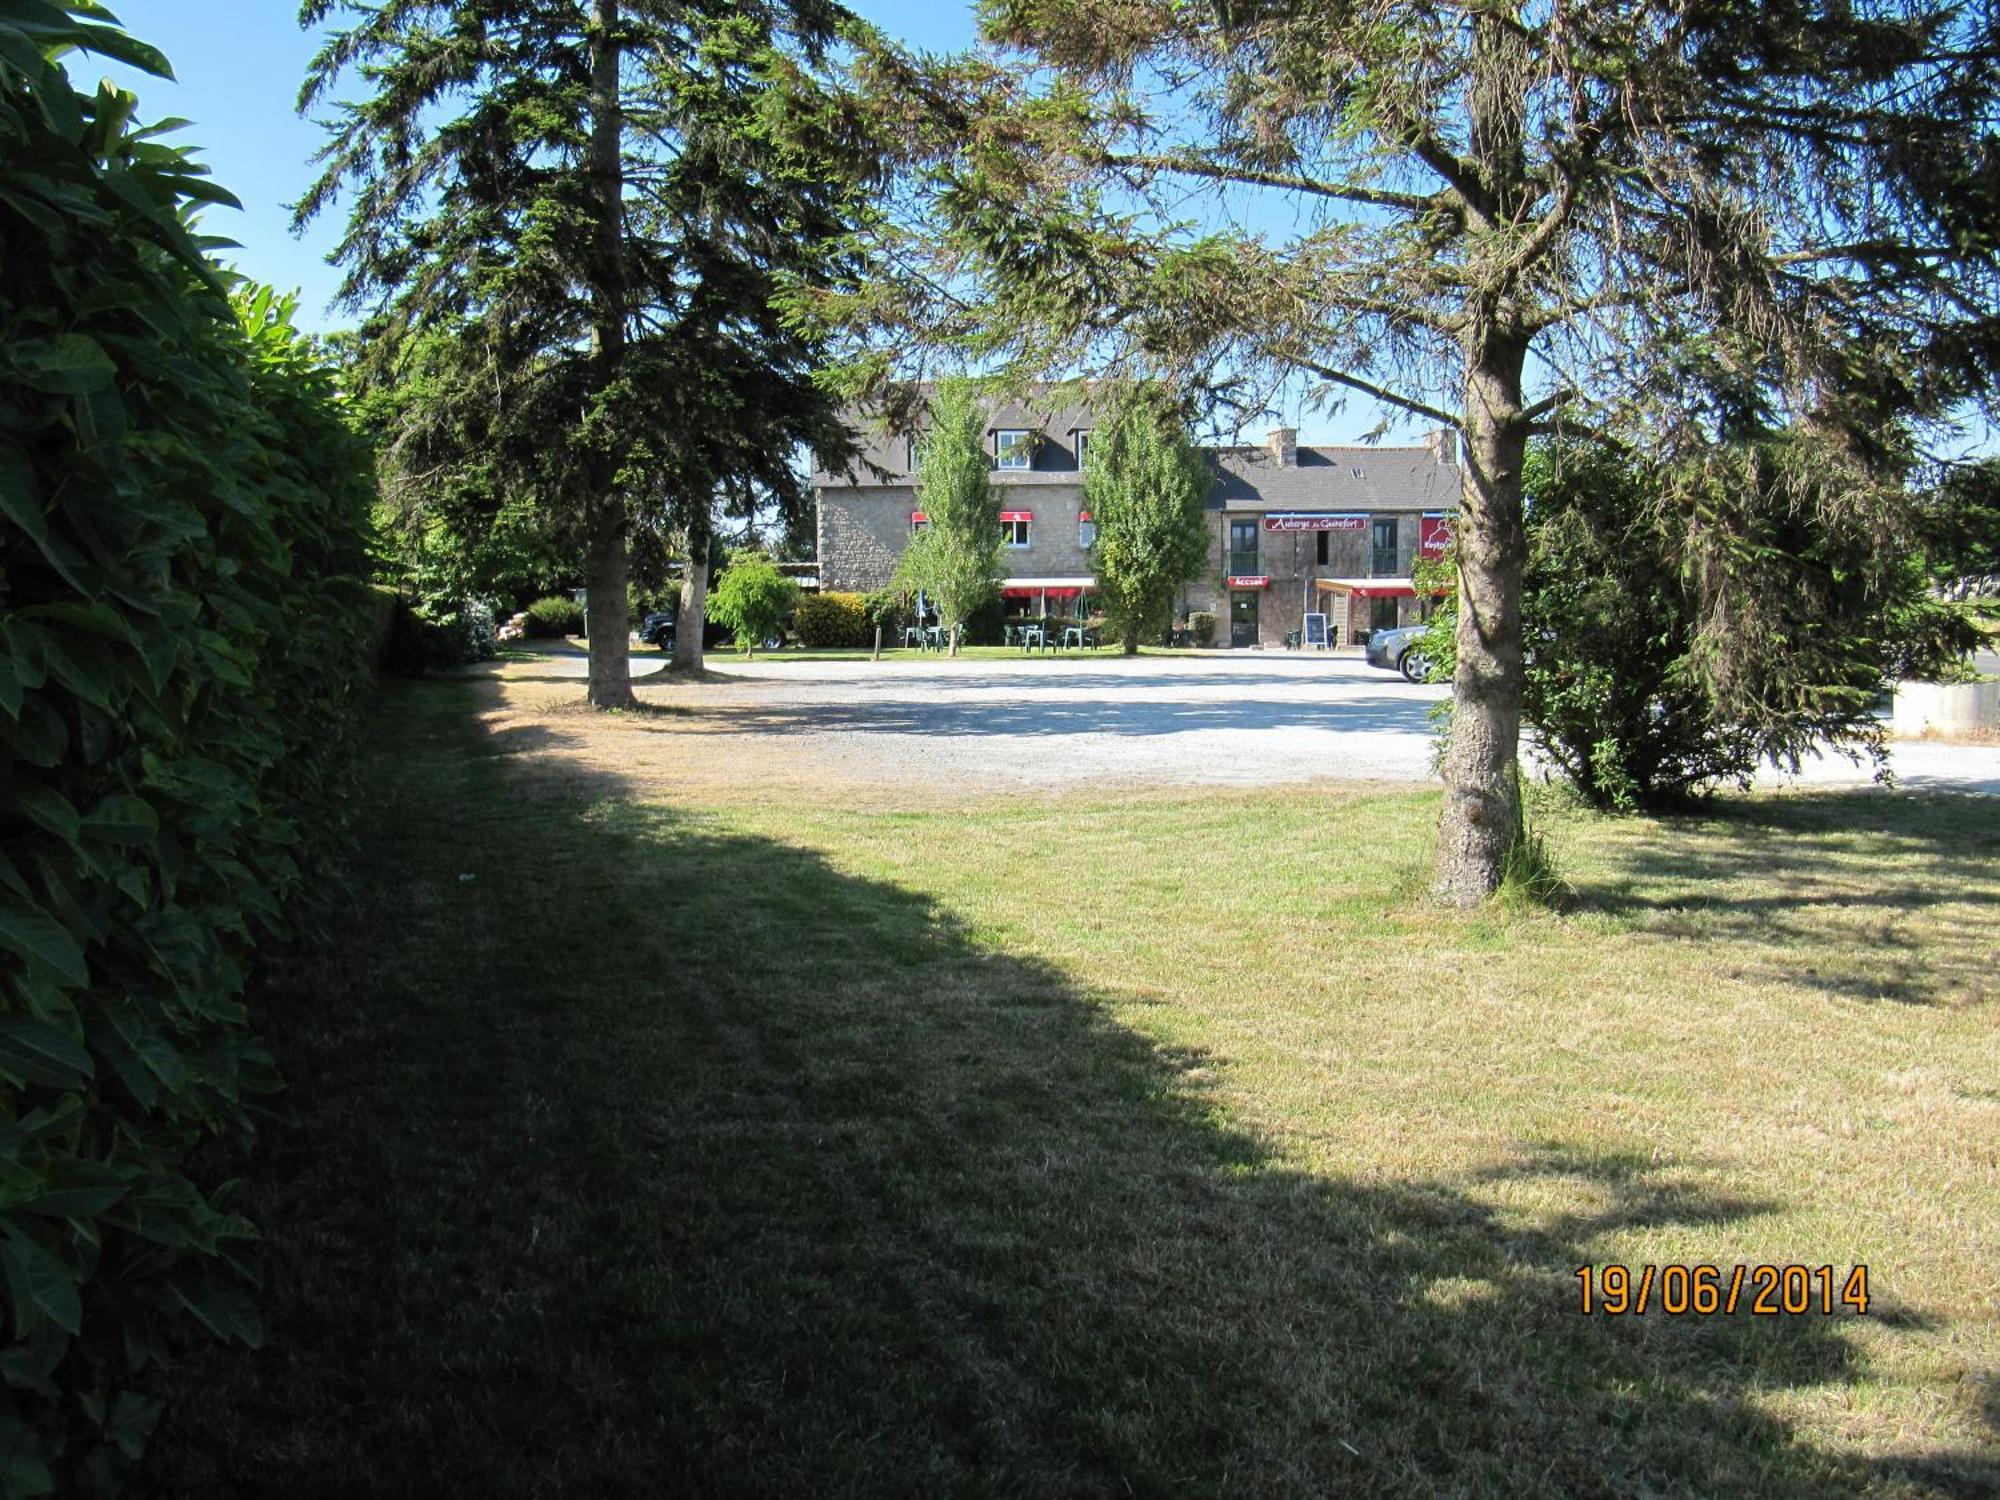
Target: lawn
(1158, 1145)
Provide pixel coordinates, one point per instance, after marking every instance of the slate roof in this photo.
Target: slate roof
(1325, 478)
(1055, 455)
(1353, 478)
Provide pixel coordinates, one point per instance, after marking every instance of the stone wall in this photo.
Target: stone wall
(862, 532)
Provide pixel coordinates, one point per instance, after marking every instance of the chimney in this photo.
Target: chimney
(1284, 444)
(1443, 444)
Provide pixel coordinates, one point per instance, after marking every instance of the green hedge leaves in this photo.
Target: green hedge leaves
(185, 625)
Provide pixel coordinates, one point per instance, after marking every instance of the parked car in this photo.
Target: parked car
(1397, 651)
(658, 630)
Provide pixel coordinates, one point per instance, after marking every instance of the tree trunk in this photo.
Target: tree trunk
(691, 619)
(605, 575)
(1481, 815)
(606, 566)
(1131, 640)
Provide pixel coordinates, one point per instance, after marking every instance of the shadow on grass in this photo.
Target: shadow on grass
(1918, 875)
(636, 1156)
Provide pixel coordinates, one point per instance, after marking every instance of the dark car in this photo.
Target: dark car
(1399, 650)
(658, 630)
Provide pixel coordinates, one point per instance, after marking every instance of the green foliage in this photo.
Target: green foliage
(1201, 626)
(187, 623)
(752, 598)
(1958, 538)
(553, 617)
(1691, 619)
(572, 241)
(1145, 487)
(888, 608)
(955, 560)
(834, 621)
(427, 635)
(1529, 875)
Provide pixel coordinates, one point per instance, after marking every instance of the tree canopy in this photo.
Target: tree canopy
(595, 206)
(955, 557)
(752, 598)
(1641, 690)
(1146, 486)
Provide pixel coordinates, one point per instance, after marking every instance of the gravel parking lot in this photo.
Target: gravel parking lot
(1243, 719)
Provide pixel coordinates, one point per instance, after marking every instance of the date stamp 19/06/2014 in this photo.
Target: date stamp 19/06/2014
(1721, 1291)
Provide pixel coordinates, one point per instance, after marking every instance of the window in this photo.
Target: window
(1242, 558)
(912, 465)
(1083, 449)
(1381, 614)
(1014, 533)
(1086, 531)
(1322, 539)
(1012, 448)
(1383, 535)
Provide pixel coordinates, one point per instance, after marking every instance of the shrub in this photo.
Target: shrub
(554, 617)
(986, 625)
(751, 598)
(889, 609)
(188, 623)
(1201, 626)
(430, 635)
(833, 621)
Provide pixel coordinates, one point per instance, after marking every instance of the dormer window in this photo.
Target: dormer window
(1012, 449)
(1082, 446)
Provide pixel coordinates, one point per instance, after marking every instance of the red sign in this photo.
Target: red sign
(1317, 521)
(1250, 581)
(1016, 515)
(1433, 535)
(918, 518)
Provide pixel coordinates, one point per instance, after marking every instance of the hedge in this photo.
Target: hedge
(833, 621)
(187, 623)
(554, 617)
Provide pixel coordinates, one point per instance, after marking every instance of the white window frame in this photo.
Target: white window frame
(1022, 529)
(1082, 446)
(1019, 454)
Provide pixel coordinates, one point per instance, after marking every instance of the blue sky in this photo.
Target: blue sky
(238, 65)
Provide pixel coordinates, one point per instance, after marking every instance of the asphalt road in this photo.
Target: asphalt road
(1236, 718)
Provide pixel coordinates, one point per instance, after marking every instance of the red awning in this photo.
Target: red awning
(1017, 515)
(1060, 593)
(1385, 591)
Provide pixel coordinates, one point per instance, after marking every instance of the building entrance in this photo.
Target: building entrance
(1243, 618)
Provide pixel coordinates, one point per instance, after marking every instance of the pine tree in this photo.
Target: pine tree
(600, 202)
(1510, 219)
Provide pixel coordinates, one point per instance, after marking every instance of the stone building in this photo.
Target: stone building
(1296, 530)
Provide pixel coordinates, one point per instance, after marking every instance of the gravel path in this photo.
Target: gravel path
(1237, 718)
